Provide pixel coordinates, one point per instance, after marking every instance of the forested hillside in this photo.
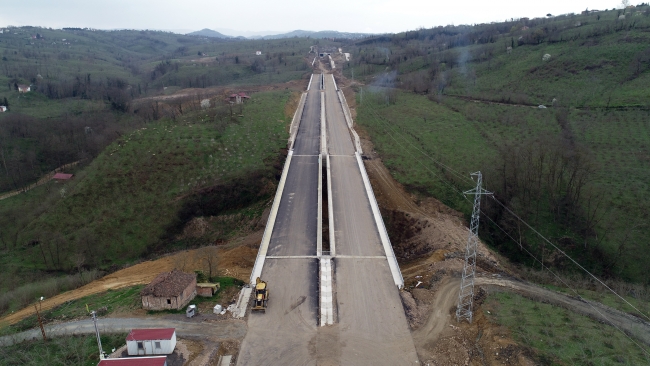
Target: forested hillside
(149, 159)
(555, 112)
(86, 78)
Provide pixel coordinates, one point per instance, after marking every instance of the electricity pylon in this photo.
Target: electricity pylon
(466, 294)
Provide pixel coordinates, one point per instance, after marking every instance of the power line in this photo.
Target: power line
(505, 207)
(567, 285)
(566, 255)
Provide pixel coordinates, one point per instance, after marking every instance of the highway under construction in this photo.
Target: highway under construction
(335, 302)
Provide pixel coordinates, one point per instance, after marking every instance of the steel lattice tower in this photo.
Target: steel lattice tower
(466, 294)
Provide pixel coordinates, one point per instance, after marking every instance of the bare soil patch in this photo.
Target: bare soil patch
(235, 259)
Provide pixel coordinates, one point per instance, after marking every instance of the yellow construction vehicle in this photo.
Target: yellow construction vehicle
(261, 296)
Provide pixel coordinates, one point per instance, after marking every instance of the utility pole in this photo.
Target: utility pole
(37, 307)
(99, 340)
(466, 294)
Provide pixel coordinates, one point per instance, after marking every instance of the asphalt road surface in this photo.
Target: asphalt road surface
(308, 136)
(295, 227)
(372, 327)
(281, 336)
(339, 141)
(355, 230)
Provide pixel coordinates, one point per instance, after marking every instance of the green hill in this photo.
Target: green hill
(575, 168)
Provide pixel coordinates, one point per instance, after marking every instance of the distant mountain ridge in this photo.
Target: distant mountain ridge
(205, 32)
(296, 33)
(319, 34)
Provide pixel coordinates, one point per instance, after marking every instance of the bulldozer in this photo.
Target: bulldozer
(261, 296)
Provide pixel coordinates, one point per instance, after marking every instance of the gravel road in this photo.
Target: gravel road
(215, 331)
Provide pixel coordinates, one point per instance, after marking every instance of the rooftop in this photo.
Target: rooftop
(168, 284)
(150, 334)
(62, 176)
(134, 361)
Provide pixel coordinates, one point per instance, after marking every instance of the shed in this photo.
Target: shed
(207, 289)
(169, 290)
(62, 176)
(258, 53)
(3, 108)
(134, 361)
(238, 98)
(24, 88)
(145, 342)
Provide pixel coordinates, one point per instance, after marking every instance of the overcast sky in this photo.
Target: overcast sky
(285, 15)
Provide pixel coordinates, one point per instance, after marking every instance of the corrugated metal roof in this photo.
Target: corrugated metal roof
(150, 334)
(134, 361)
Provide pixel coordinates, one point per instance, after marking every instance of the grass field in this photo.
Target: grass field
(137, 195)
(81, 350)
(468, 136)
(559, 336)
(130, 194)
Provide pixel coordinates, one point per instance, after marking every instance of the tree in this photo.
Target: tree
(625, 3)
(210, 257)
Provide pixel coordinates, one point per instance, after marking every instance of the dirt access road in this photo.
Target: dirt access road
(235, 260)
(447, 296)
(215, 331)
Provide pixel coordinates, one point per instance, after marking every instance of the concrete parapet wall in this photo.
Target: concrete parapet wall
(295, 122)
(264, 246)
(381, 228)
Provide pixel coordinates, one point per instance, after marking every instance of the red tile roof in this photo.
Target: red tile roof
(62, 176)
(150, 334)
(134, 361)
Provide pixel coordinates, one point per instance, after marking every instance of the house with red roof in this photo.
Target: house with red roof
(62, 176)
(134, 361)
(238, 98)
(146, 342)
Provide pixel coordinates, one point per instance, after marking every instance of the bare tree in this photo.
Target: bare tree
(209, 255)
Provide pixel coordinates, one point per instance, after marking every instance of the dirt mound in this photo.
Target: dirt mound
(440, 340)
(417, 228)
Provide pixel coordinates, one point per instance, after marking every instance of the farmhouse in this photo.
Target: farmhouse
(169, 290)
(134, 361)
(24, 88)
(238, 98)
(206, 289)
(145, 342)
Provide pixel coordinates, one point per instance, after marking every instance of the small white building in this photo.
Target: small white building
(144, 342)
(258, 53)
(3, 108)
(134, 361)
